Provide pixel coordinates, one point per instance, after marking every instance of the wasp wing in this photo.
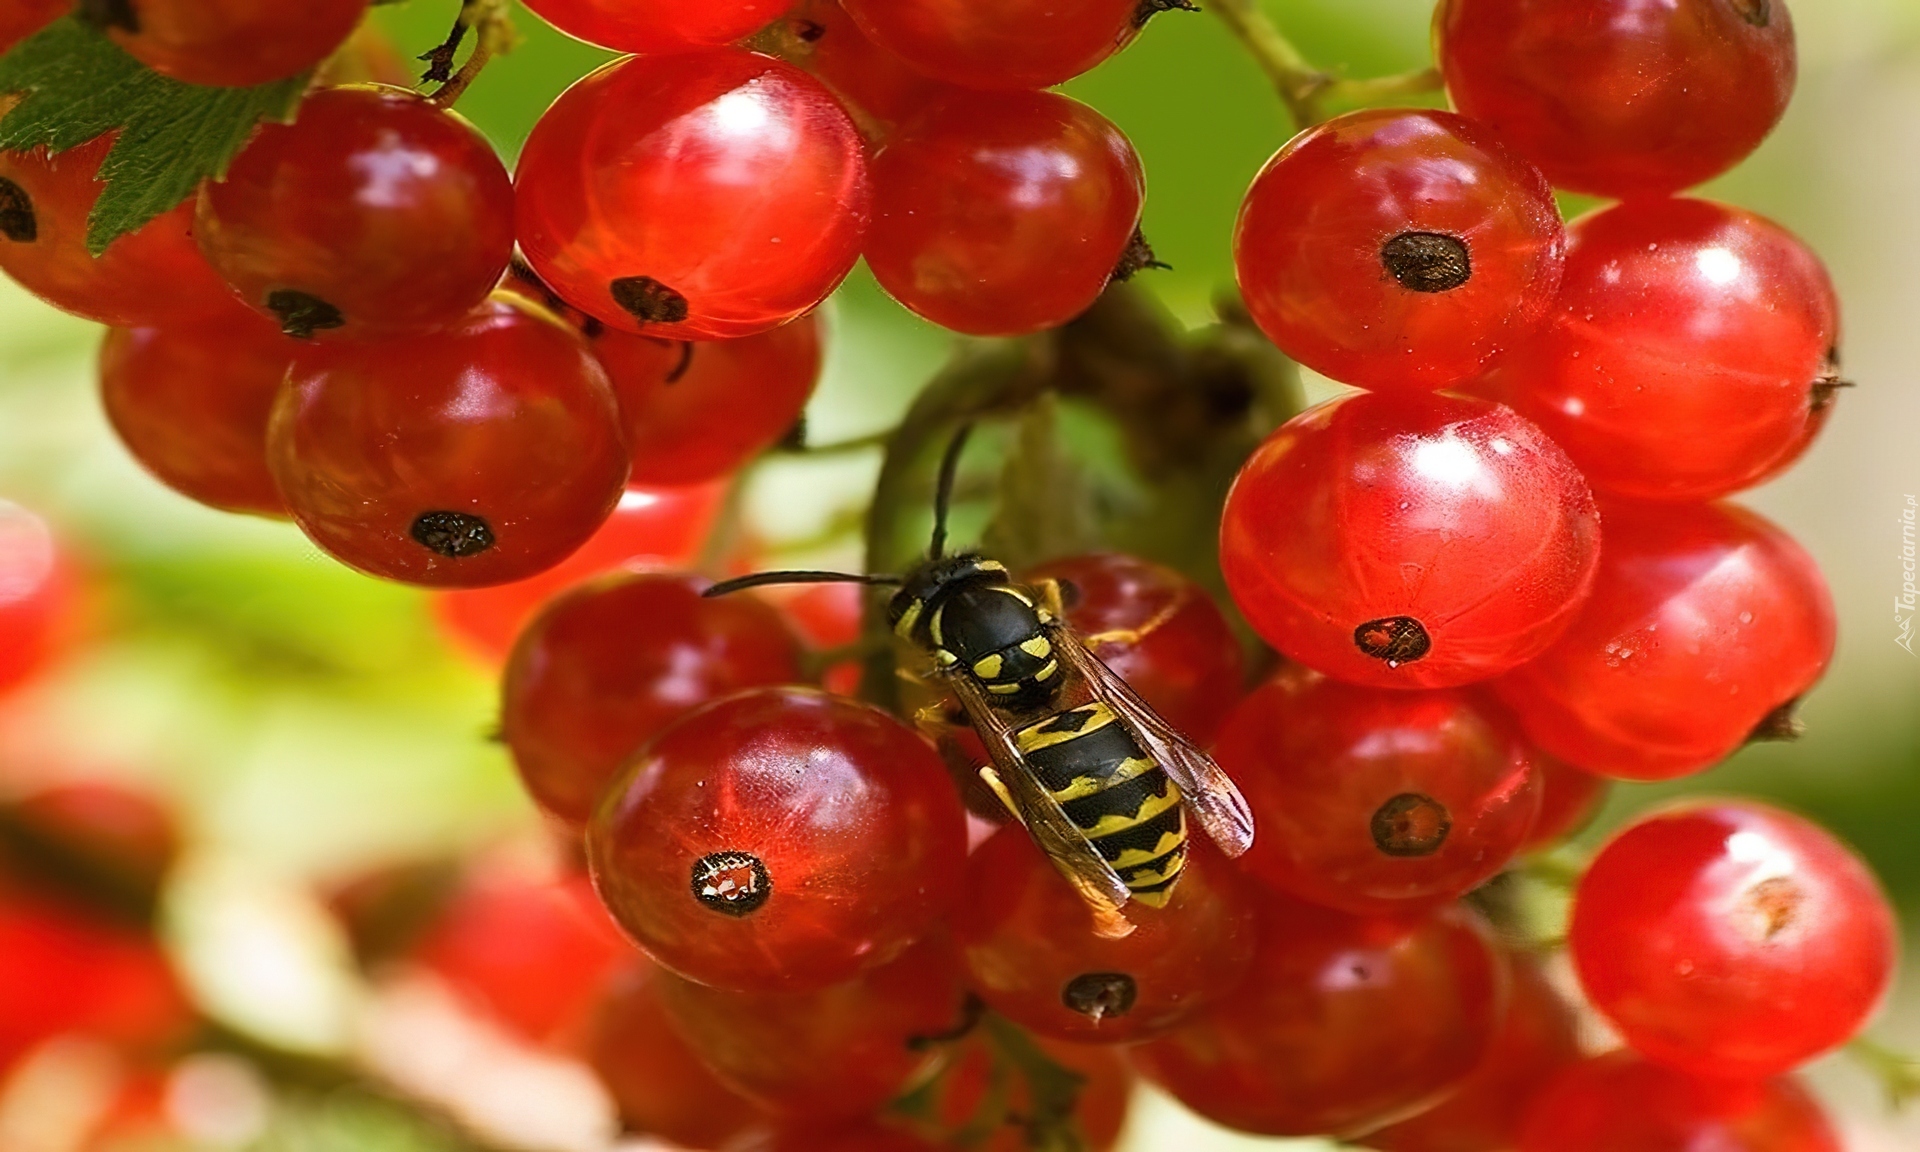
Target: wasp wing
(1062, 840)
(1212, 797)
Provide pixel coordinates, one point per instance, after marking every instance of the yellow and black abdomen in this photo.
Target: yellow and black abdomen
(1115, 793)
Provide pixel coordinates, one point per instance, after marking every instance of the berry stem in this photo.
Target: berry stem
(1898, 1072)
(494, 34)
(1305, 89)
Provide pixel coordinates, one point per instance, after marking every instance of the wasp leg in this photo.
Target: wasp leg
(1050, 598)
(1136, 634)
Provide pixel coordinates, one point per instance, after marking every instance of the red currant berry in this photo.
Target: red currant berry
(1689, 355)
(1620, 1103)
(696, 411)
(1732, 939)
(1409, 541)
(227, 43)
(611, 663)
(866, 77)
(1707, 604)
(694, 196)
(780, 839)
(154, 275)
(1536, 1042)
(99, 840)
(1569, 800)
(660, 528)
(1398, 249)
(658, 1082)
(476, 455)
(839, 1052)
(856, 1136)
(22, 18)
(1374, 801)
(1001, 43)
(1159, 631)
(1006, 213)
(375, 213)
(64, 971)
(1344, 1024)
(1034, 955)
(657, 25)
(36, 594)
(1621, 98)
(191, 405)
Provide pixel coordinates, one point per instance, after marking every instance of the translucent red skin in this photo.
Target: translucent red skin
(1700, 971)
(835, 1053)
(651, 528)
(152, 275)
(1015, 44)
(1317, 759)
(1620, 1103)
(696, 412)
(191, 405)
(1373, 506)
(1026, 934)
(236, 43)
(507, 417)
(1307, 248)
(998, 214)
(1344, 1025)
(1536, 1041)
(646, 168)
(850, 811)
(1681, 357)
(1707, 604)
(1100, 1110)
(1621, 98)
(1569, 800)
(390, 208)
(1187, 663)
(657, 1081)
(657, 25)
(883, 89)
(37, 591)
(608, 665)
(22, 18)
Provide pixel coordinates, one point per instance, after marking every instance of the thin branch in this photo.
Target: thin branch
(494, 35)
(1304, 89)
(1898, 1073)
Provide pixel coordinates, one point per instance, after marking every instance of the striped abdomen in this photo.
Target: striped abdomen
(1128, 807)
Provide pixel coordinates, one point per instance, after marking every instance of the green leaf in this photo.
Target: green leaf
(77, 85)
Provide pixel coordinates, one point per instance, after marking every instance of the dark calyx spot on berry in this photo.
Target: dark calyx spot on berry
(1098, 995)
(453, 534)
(17, 221)
(808, 31)
(733, 883)
(302, 314)
(105, 14)
(1411, 824)
(1396, 639)
(1148, 9)
(1755, 12)
(1781, 724)
(1772, 906)
(648, 300)
(1137, 258)
(1427, 261)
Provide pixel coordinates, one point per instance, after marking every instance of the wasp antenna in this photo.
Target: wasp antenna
(762, 579)
(943, 489)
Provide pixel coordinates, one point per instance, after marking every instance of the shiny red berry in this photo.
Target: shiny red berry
(1344, 1024)
(1569, 800)
(1620, 1103)
(1621, 98)
(228, 43)
(780, 839)
(191, 405)
(1732, 939)
(1409, 541)
(154, 275)
(1691, 352)
(1158, 630)
(698, 410)
(1005, 213)
(1706, 604)
(879, 87)
(36, 594)
(695, 196)
(475, 455)
(375, 213)
(1001, 43)
(1034, 955)
(837, 1052)
(1398, 249)
(657, 25)
(607, 666)
(1375, 801)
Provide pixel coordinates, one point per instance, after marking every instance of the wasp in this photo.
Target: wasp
(1102, 783)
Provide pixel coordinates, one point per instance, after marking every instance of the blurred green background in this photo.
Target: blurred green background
(310, 721)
